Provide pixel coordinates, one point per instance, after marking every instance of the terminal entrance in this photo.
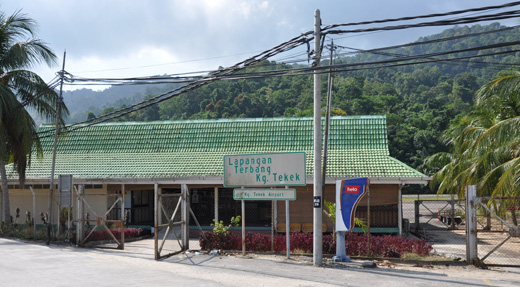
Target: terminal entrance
(141, 210)
(203, 203)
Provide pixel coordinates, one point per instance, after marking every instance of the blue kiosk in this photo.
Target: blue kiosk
(348, 194)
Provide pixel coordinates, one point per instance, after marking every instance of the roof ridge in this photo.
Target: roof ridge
(224, 120)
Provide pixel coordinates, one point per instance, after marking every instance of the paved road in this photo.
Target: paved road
(23, 264)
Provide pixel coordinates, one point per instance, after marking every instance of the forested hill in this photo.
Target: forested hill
(419, 100)
(484, 67)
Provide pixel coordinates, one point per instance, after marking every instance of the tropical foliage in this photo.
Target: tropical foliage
(485, 145)
(20, 91)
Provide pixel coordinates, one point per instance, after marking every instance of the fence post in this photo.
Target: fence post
(157, 210)
(471, 225)
(34, 211)
(216, 204)
(400, 210)
(80, 226)
(185, 217)
(274, 222)
(417, 203)
(122, 214)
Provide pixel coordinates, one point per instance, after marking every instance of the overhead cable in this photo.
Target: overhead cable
(466, 20)
(458, 12)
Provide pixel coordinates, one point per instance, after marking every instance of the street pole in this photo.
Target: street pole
(51, 188)
(327, 125)
(318, 217)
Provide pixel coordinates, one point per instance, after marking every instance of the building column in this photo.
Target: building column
(216, 203)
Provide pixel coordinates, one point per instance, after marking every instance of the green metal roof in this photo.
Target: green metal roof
(195, 148)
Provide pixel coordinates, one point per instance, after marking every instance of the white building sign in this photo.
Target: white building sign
(271, 169)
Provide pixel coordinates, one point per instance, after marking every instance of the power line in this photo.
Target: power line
(363, 34)
(294, 72)
(418, 43)
(365, 66)
(328, 27)
(49, 86)
(504, 15)
(173, 78)
(167, 64)
(466, 20)
(338, 67)
(286, 46)
(511, 4)
(401, 58)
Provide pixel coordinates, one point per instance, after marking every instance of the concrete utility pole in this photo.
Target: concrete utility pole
(327, 125)
(318, 217)
(51, 188)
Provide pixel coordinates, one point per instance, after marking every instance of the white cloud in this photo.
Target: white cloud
(118, 34)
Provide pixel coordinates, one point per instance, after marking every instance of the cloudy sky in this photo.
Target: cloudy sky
(127, 38)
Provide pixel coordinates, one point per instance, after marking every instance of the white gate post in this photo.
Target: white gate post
(185, 217)
(80, 226)
(157, 210)
(471, 225)
(122, 214)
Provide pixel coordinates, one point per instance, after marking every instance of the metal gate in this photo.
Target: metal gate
(439, 221)
(105, 230)
(446, 214)
(171, 227)
(499, 243)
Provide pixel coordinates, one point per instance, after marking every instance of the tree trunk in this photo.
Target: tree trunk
(3, 175)
(488, 221)
(513, 216)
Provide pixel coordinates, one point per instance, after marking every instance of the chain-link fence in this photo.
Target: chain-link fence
(440, 219)
(498, 233)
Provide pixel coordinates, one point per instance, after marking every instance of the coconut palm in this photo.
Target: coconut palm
(485, 144)
(458, 166)
(20, 91)
(502, 96)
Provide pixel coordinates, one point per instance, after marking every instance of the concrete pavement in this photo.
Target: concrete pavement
(24, 264)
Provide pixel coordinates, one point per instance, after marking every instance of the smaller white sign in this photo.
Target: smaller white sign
(264, 194)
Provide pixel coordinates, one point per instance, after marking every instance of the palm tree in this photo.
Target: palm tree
(20, 90)
(485, 145)
(502, 96)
